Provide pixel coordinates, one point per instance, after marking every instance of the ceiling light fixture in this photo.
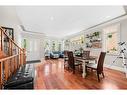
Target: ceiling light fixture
(51, 18)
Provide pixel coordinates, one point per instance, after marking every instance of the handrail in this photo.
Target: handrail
(6, 58)
(10, 38)
(11, 63)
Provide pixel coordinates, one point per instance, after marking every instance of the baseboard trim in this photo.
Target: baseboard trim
(114, 67)
(33, 61)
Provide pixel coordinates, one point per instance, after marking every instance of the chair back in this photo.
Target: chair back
(86, 54)
(101, 62)
(65, 53)
(71, 60)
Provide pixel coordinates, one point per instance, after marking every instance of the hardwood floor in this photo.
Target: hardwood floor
(50, 74)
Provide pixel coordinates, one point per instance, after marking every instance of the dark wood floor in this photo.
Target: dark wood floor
(50, 74)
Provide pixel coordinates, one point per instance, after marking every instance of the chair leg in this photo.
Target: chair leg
(103, 74)
(91, 70)
(68, 67)
(73, 71)
(98, 77)
(78, 68)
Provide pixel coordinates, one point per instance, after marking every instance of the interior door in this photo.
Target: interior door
(32, 49)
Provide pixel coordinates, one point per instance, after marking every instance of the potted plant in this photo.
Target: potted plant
(96, 34)
(110, 36)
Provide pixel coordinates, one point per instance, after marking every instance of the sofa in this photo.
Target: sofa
(61, 55)
(56, 54)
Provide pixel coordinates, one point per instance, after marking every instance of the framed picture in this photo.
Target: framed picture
(9, 32)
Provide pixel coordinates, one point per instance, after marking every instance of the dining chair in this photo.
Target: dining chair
(99, 66)
(86, 54)
(65, 58)
(71, 61)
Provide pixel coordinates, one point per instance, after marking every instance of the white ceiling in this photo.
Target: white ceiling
(60, 21)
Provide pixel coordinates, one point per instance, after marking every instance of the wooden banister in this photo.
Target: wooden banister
(4, 59)
(16, 57)
(10, 38)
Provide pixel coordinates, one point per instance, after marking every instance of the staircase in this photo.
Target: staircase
(12, 57)
(2, 54)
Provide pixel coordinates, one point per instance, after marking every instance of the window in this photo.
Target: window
(112, 38)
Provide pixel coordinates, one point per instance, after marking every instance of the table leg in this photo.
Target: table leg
(84, 69)
(125, 69)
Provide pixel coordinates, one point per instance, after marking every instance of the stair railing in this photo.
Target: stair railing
(15, 57)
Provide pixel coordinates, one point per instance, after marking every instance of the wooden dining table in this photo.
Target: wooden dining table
(84, 62)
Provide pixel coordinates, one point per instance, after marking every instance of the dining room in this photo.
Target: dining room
(91, 60)
(78, 72)
(94, 58)
(63, 47)
(71, 47)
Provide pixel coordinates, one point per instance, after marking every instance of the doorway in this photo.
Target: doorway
(32, 46)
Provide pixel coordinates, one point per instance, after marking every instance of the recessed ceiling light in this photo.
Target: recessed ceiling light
(51, 18)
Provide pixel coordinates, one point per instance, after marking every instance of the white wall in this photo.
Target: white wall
(8, 18)
(40, 41)
(123, 37)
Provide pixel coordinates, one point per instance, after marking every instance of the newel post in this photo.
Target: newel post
(24, 56)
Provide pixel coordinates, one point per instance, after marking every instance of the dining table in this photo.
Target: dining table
(84, 61)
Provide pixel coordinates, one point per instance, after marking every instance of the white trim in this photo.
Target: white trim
(117, 20)
(114, 67)
(107, 29)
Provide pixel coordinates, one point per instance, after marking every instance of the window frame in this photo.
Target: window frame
(118, 38)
